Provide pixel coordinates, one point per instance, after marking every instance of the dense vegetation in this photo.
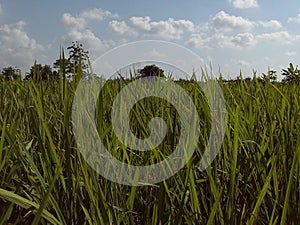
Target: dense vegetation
(253, 180)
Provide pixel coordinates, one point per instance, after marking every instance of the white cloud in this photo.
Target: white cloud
(235, 32)
(97, 14)
(198, 41)
(239, 41)
(281, 36)
(88, 38)
(166, 29)
(76, 27)
(119, 27)
(295, 19)
(244, 4)
(72, 22)
(243, 63)
(18, 49)
(141, 23)
(290, 54)
(272, 24)
(226, 22)
(80, 21)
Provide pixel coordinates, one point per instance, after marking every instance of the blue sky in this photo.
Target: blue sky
(234, 35)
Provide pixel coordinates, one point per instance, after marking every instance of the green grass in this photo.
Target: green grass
(255, 178)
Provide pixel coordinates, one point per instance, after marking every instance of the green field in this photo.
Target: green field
(255, 178)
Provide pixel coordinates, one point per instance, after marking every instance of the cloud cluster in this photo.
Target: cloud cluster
(76, 27)
(226, 22)
(76, 23)
(169, 29)
(290, 53)
(199, 41)
(244, 4)
(295, 19)
(119, 27)
(97, 14)
(17, 47)
(236, 32)
(239, 41)
(283, 37)
(221, 31)
(243, 63)
(272, 24)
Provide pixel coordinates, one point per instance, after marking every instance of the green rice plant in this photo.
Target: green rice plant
(254, 179)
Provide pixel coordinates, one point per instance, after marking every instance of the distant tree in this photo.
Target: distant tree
(151, 71)
(292, 74)
(271, 76)
(39, 72)
(9, 73)
(63, 66)
(78, 57)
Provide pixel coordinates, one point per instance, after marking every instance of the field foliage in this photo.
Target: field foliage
(255, 178)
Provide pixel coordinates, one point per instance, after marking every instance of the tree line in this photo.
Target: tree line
(64, 66)
(78, 60)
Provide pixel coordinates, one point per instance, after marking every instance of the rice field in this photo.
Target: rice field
(255, 178)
